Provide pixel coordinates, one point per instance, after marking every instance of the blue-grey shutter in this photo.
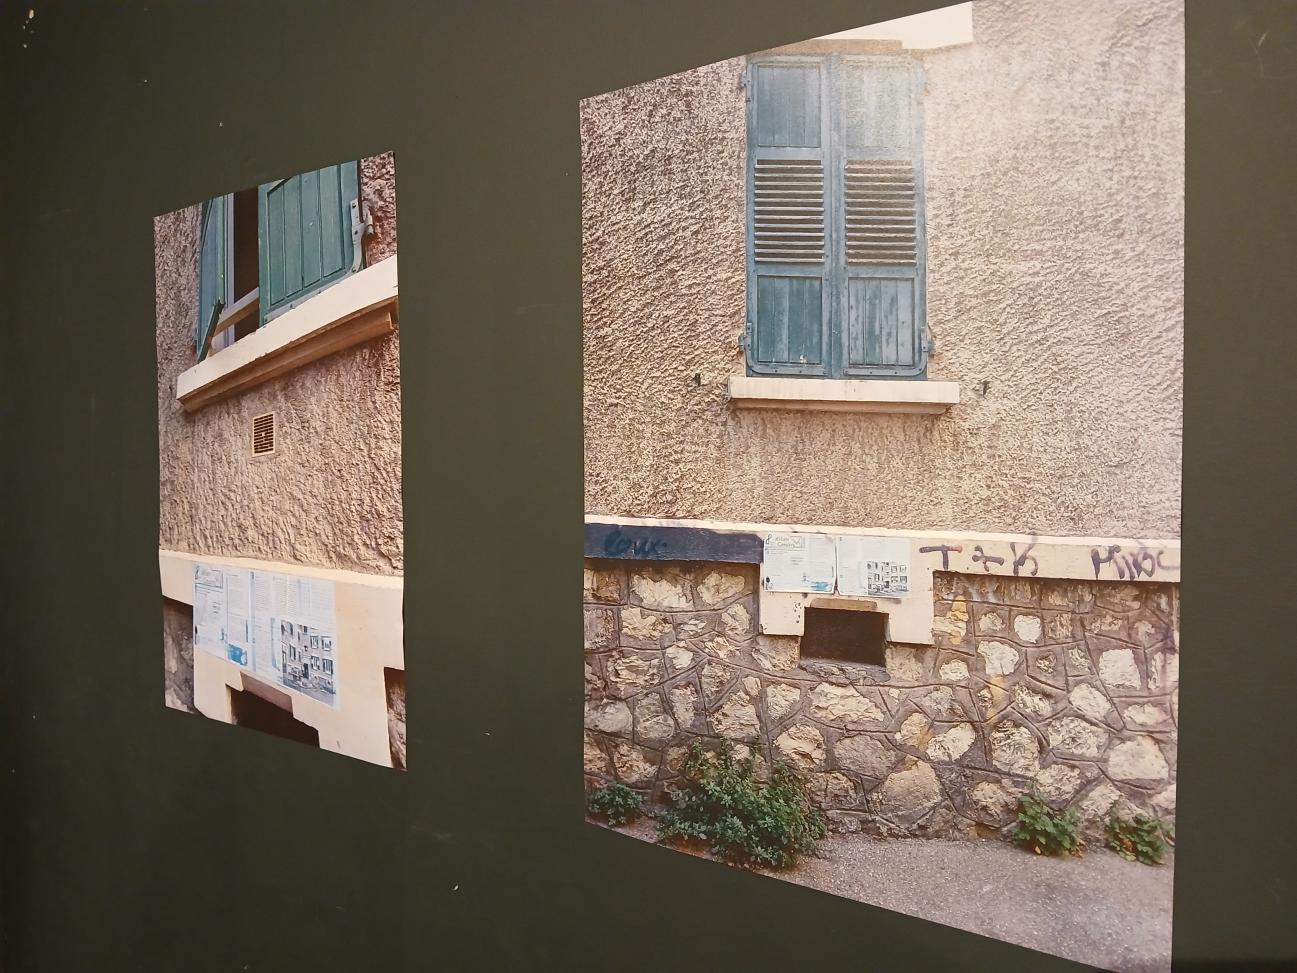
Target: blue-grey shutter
(879, 136)
(305, 234)
(789, 294)
(212, 263)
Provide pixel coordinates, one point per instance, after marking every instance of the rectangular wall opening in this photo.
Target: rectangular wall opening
(250, 710)
(843, 635)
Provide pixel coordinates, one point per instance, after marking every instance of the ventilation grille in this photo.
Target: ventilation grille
(788, 210)
(263, 434)
(879, 206)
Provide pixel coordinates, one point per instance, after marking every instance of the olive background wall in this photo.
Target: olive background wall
(139, 838)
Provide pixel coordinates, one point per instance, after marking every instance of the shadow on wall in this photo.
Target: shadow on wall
(250, 710)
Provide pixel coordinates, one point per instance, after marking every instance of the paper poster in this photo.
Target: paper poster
(876, 567)
(281, 627)
(799, 562)
(306, 639)
(209, 609)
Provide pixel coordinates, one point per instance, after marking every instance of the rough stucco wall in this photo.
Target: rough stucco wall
(1070, 685)
(378, 193)
(330, 494)
(175, 250)
(1054, 155)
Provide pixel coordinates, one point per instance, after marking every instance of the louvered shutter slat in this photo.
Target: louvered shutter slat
(212, 260)
(788, 243)
(882, 240)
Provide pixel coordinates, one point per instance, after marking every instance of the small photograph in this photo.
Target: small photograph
(306, 661)
(280, 535)
(882, 398)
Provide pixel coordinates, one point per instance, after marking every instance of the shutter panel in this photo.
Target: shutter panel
(789, 297)
(305, 235)
(880, 168)
(212, 263)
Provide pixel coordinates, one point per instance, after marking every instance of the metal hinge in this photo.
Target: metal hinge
(361, 225)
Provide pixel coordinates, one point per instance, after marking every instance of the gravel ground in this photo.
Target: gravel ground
(1099, 909)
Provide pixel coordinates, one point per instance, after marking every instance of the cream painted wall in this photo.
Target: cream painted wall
(369, 637)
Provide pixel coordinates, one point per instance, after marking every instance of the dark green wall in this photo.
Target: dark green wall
(138, 838)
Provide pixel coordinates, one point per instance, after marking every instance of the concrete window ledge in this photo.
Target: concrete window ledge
(843, 395)
(355, 309)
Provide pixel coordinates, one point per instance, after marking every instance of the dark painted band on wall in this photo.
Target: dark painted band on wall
(671, 544)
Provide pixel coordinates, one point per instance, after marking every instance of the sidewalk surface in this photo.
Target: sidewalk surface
(1099, 909)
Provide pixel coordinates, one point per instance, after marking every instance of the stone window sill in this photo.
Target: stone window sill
(355, 309)
(843, 395)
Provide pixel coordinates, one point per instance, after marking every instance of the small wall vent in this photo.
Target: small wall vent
(263, 434)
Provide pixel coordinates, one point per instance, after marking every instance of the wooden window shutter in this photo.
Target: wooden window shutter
(212, 268)
(305, 234)
(879, 167)
(788, 235)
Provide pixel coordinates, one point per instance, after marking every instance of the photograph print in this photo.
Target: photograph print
(883, 375)
(281, 538)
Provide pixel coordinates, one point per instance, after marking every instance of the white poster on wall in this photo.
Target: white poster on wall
(799, 562)
(875, 567)
(281, 627)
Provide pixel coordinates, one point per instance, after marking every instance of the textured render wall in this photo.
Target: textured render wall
(1068, 684)
(378, 193)
(1054, 153)
(330, 494)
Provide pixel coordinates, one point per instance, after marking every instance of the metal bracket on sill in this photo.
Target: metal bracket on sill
(361, 225)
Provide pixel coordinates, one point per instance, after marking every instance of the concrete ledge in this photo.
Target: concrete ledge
(355, 309)
(991, 555)
(843, 395)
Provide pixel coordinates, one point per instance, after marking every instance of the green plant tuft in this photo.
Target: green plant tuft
(1046, 831)
(616, 802)
(742, 820)
(1138, 839)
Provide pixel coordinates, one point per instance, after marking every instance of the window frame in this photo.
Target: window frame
(836, 271)
(233, 313)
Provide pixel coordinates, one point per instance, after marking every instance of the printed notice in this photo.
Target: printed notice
(799, 562)
(877, 567)
(279, 626)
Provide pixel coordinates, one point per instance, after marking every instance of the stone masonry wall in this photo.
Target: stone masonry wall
(1068, 684)
(178, 654)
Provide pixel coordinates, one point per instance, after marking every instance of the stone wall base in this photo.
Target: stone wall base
(1063, 685)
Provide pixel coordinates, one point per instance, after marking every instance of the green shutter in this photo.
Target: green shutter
(789, 297)
(836, 239)
(879, 164)
(212, 264)
(305, 234)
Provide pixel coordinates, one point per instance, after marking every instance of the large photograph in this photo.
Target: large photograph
(882, 403)
(281, 546)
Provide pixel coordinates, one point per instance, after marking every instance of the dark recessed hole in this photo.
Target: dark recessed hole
(249, 709)
(840, 635)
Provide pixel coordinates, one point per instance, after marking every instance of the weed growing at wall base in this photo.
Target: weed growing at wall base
(1141, 838)
(616, 802)
(1046, 831)
(743, 820)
